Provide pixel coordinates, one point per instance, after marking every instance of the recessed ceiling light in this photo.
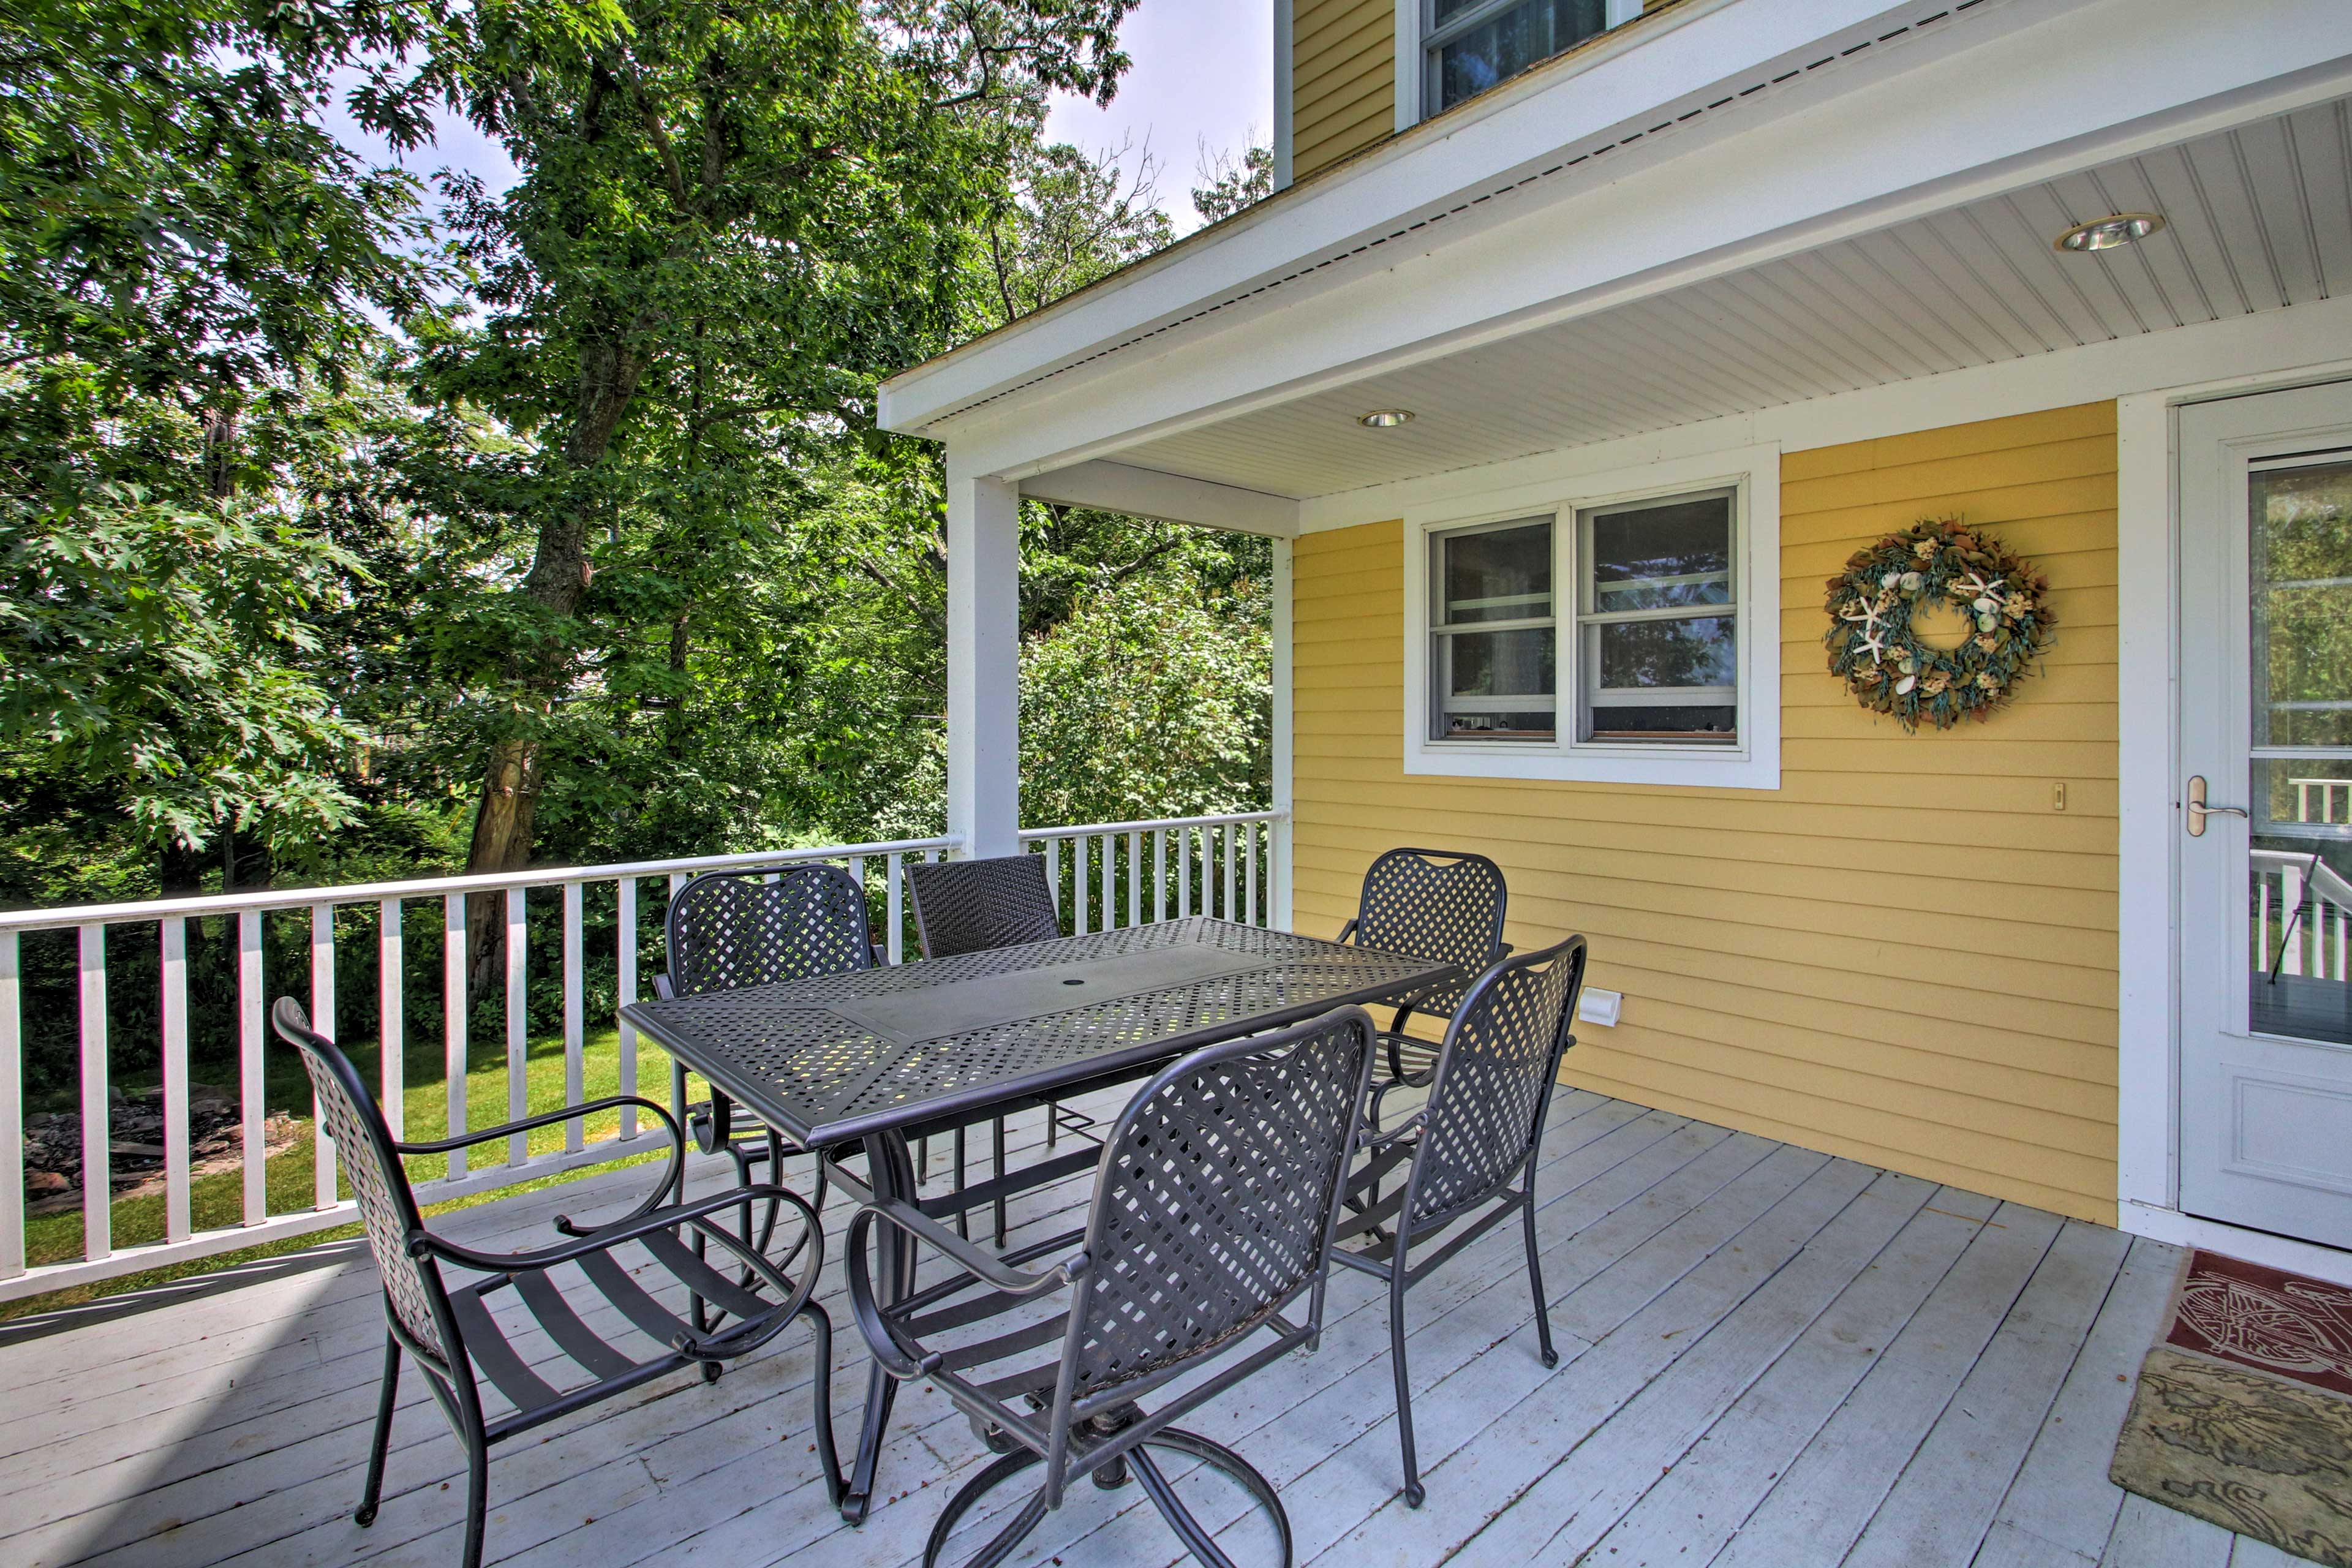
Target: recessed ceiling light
(1384, 418)
(2107, 232)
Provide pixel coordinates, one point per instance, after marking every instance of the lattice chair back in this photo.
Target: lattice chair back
(1434, 903)
(733, 929)
(970, 906)
(1500, 1055)
(1216, 1200)
(363, 1147)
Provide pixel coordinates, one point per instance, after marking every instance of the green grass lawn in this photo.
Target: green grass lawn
(217, 1199)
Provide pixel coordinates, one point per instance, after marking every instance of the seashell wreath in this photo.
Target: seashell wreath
(1874, 648)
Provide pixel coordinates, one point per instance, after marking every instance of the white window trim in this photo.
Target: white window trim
(1754, 763)
(1412, 68)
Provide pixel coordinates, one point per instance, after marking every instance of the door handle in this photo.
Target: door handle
(2198, 811)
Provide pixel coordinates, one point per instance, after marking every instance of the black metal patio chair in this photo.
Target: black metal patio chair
(625, 1338)
(970, 906)
(733, 929)
(1432, 903)
(1213, 1213)
(1479, 1130)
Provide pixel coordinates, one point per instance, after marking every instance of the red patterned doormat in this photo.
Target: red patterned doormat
(2243, 1413)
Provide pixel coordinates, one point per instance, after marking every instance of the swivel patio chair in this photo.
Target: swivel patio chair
(456, 1342)
(1430, 903)
(1213, 1213)
(970, 906)
(1459, 1155)
(733, 929)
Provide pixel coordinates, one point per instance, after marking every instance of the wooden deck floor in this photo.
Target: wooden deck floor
(1768, 1358)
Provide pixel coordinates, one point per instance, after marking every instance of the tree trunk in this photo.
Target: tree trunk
(513, 773)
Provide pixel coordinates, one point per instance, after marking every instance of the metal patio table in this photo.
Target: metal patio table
(864, 1061)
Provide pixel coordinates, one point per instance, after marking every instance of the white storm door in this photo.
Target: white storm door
(2265, 490)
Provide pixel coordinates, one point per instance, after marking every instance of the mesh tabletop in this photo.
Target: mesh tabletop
(839, 1057)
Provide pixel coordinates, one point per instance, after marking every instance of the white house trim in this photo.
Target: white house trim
(2245, 346)
(1479, 495)
(1285, 13)
(1407, 59)
(1146, 493)
(2148, 832)
(2020, 107)
(1285, 748)
(1599, 95)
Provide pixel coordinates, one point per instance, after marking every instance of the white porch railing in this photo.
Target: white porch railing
(1173, 867)
(1217, 865)
(2316, 945)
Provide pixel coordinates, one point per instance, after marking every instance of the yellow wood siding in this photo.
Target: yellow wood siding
(1904, 955)
(1343, 80)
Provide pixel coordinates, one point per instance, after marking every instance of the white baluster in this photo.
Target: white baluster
(1053, 877)
(1230, 833)
(1251, 913)
(894, 910)
(177, 1219)
(2262, 923)
(252, 1088)
(392, 1017)
(518, 1029)
(323, 1018)
(625, 897)
(1107, 846)
(1184, 872)
(1158, 873)
(12, 1111)
(2290, 900)
(453, 1008)
(576, 1017)
(1134, 879)
(97, 1159)
(1078, 886)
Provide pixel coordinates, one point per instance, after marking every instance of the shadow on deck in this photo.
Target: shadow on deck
(1768, 1357)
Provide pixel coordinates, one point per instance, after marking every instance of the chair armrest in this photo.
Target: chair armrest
(544, 1119)
(424, 1244)
(1347, 932)
(892, 1352)
(1367, 1143)
(671, 1172)
(979, 1261)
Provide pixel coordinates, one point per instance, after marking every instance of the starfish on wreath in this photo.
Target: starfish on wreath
(1975, 587)
(1871, 640)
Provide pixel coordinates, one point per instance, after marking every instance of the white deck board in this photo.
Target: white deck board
(1767, 1357)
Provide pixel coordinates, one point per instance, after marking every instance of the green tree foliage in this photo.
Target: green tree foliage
(326, 526)
(1229, 185)
(187, 262)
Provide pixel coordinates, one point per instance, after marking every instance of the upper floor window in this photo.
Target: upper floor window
(1468, 46)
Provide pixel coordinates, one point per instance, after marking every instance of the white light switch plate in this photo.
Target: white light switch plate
(1600, 1007)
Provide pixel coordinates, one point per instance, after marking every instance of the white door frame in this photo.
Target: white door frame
(2147, 530)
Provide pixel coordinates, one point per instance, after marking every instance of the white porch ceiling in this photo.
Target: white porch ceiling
(2259, 218)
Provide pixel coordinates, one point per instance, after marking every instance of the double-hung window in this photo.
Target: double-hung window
(1659, 656)
(1468, 46)
(1496, 639)
(1631, 639)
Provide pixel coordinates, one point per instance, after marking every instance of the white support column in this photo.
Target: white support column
(1279, 862)
(983, 664)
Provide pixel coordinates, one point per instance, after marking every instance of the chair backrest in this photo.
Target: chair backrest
(1433, 903)
(970, 906)
(363, 1145)
(1495, 1069)
(731, 928)
(1217, 1197)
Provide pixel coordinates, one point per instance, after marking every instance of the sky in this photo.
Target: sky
(1203, 75)
(1202, 83)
